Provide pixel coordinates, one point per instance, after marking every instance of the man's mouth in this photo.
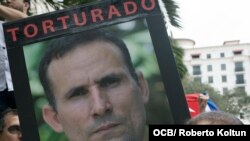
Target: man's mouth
(106, 127)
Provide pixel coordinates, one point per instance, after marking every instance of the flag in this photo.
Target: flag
(198, 102)
(211, 106)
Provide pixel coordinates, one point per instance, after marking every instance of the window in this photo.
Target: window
(222, 55)
(239, 79)
(239, 66)
(197, 79)
(196, 70)
(241, 89)
(195, 56)
(223, 66)
(209, 68)
(210, 79)
(208, 56)
(224, 78)
(237, 52)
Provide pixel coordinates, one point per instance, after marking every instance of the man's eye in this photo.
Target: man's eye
(78, 92)
(110, 82)
(14, 129)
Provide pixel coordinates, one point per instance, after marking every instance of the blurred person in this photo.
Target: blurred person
(94, 92)
(210, 105)
(203, 99)
(9, 10)
(214, 118)
(10, 126)
(14, 9)
(9, 122)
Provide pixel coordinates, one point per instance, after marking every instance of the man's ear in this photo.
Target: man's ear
(143, 84)
(50, 117)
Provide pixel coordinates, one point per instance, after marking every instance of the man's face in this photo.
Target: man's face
(96, 97)
(16, 4)
(11, 131)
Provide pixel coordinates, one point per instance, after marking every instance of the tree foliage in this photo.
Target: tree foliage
(178, 55)
(238, 102)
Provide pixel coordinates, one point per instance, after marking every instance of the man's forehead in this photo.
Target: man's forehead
(98, 49)
(88, 63)
(99, 44)
(11, 119)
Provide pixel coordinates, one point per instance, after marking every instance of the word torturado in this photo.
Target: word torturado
(80, 17)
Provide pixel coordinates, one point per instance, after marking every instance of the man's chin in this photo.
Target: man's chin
(115, 134)
(124, 137)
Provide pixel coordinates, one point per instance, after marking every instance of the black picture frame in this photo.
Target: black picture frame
(38, 28)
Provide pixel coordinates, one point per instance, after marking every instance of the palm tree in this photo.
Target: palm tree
(178, 54)
(172, 7)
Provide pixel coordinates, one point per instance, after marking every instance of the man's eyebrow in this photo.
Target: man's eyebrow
(69, 93)
(111, 75)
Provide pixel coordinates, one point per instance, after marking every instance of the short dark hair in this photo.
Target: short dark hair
(57, 48)
(3, 115)
(215, 118)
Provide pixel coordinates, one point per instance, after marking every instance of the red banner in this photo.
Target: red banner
(193, 104)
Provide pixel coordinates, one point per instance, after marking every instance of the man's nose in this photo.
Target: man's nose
(101, 102)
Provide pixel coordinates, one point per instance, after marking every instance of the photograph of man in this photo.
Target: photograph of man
(10, 126)
(94, 92)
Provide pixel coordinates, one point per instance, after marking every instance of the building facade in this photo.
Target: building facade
(224, 67)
